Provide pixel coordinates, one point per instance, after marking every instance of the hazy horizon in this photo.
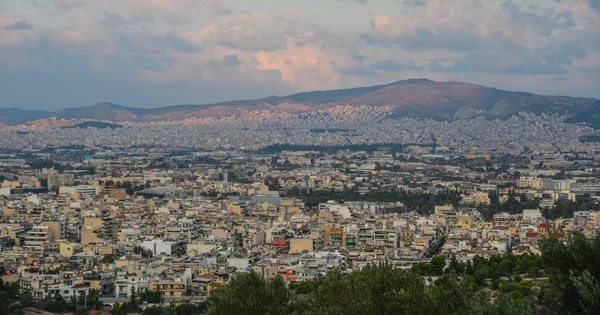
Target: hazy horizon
(233, 100)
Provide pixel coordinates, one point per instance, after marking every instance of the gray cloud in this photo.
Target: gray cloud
(543, 21)
(457, 39)
(154, 44)
(357, 56)
(361, 71)
(67, 77)
(118, 21)
(218, 7)
(158, 63)
(394, 66)
(499, 64)
(231, 61)
(594, 70)
(460, 38)
(68, 4)
(562, 53)
(19, 25)
(416, 3)
(143, 56)
(176, 42)
(253, 42)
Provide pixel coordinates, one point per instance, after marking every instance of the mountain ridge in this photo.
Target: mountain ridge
(409, 98)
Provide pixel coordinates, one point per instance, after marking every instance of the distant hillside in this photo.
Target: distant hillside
(16, 116)
(102, 111)
(415, 98)
(94, 124)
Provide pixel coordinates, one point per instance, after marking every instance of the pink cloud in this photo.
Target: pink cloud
(307, 66)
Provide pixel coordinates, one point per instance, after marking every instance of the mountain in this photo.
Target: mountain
(414, 97)
(95, 124)
(16, 116)
(101, 111)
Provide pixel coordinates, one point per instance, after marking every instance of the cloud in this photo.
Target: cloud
(417, 3)
(394, 66)
(245, 31)
(174, 41)
(120, 22)
(544, 21)
(17, 26)
(218, 7)
(360, 71)
(452, 35)
(488, 37)
(181, 45)
(68, 4)
(144, 44)
(497, 64)
(237, 40)
(594, 70)
(308, 66)
(562, 53)
(231, 61)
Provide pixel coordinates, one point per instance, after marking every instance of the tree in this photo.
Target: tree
(26, 299)
(575, 270)
(189, 308)
(504, 305)
(157, 310)
(437, 265)
(588, 288)
(154, 296)
(5, 302)
(56, 304)
(122, 309)
(384, 290)
(133, 300)
(251, 294)
(93, 300)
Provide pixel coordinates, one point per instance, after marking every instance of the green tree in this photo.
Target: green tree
(251, 294)
(384, 290)
(504, 305)
(189, 308)
(56, 304)
(575, 271)
(157, 310)
(122, 309)
(588, 289)
(437, 265)
(517, 295)
(5, 302)
(154, 297)
(133, 299)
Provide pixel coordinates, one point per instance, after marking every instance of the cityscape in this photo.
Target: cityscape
(353, 192)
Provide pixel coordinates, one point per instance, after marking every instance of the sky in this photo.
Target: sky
(57, 54)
